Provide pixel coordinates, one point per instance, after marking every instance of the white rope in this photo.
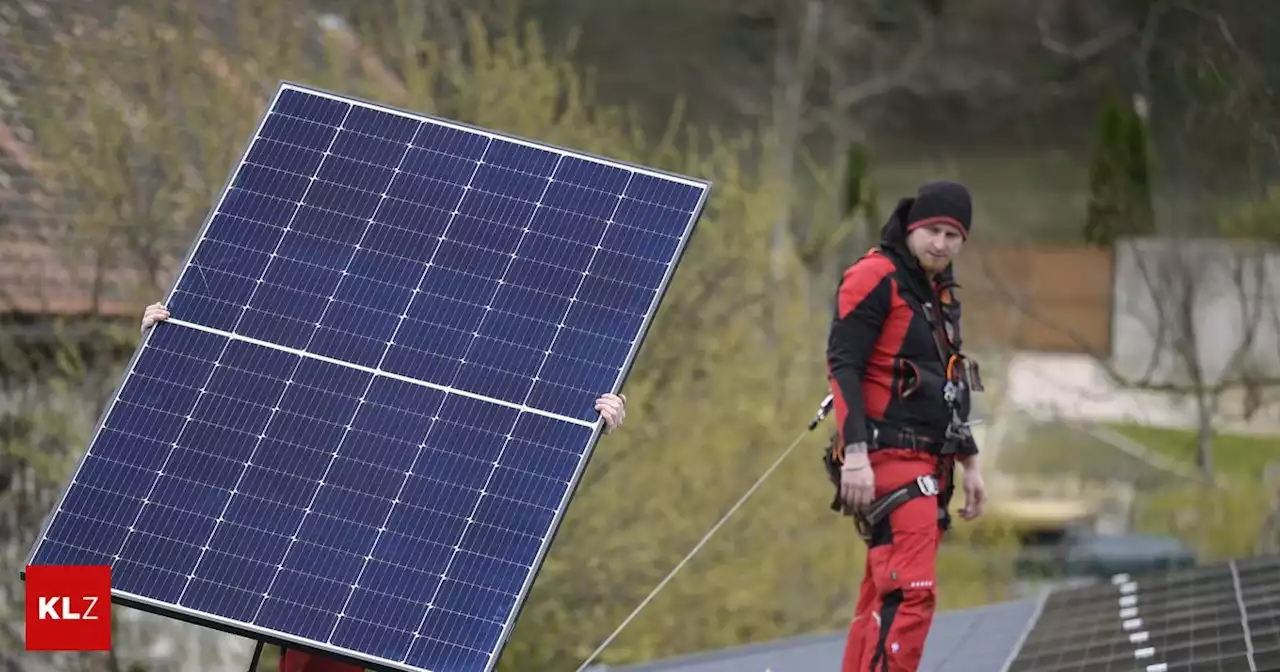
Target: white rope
(703, 542)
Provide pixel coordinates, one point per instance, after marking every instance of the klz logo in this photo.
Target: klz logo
(68, 608)
(59, 609)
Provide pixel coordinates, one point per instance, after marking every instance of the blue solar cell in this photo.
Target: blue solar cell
(370, 407)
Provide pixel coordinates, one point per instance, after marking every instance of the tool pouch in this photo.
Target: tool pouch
(832, 460)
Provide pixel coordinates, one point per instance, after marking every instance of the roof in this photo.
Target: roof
(1219, 616)
(952, 646)
(37, 275)
(38, 279)
(40, 275)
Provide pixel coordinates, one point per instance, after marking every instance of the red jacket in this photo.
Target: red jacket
(301, 661)
(887, 363)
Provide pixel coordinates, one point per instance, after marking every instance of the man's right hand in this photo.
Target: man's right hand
(155, 312)
(857, 480)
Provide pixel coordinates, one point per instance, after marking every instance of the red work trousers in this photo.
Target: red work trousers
(897, 598)
(301, 661)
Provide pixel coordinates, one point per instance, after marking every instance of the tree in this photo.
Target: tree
(827, 242)
(1225, 94)
(1192, 315)
(1192, 320)
(1202, 307)
(1119, 176)
(811, 95)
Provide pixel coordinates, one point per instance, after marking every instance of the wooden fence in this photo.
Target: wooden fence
(1047, 299)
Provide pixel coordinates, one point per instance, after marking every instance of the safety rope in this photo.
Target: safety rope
(822, 412)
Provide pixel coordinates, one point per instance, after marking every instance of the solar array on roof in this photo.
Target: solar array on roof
(1219, 618)
(360, 428)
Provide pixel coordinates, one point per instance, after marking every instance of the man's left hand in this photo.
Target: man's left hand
(613, 409)
(975, 493)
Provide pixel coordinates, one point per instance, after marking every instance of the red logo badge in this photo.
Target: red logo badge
(69, 608)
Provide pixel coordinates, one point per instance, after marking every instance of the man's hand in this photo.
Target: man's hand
(975, 492)
(154, 313)
(613, 408)
(857, 481)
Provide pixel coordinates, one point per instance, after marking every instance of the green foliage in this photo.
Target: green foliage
(1259, 220)
(708, 406)
(1119, 176)
(825, 236)
(1218, 523)
(859, 192)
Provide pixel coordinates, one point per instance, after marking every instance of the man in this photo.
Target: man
(612, 408)
(900, 388)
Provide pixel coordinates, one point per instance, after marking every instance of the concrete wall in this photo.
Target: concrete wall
(1208, 292)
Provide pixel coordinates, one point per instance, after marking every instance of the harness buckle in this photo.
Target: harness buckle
(929, 486)
(960, 431)
(863, 526)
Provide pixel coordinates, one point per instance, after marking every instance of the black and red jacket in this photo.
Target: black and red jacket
(887, 363)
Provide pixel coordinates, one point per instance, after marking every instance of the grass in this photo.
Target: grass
(1057, 448)
(1237, 457)
(1217, 522)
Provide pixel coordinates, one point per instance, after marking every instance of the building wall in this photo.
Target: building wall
(1218, 295)
(1128, 308)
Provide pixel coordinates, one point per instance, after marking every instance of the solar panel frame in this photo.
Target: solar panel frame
(263, 634)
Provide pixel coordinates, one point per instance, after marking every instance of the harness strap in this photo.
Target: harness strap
(886, 436)
(923, 486)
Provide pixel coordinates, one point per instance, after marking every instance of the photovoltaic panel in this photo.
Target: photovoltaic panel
(1216, 618)
(359, 429)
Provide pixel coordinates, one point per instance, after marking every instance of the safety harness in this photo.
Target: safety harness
(962, 377)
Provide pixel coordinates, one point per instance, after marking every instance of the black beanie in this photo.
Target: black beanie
(941, 202)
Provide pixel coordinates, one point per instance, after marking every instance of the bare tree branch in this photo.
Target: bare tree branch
(1086, 49)
(1156, 284)
(346, 40)
(848, 95)
(1174, 290)
(737, 86)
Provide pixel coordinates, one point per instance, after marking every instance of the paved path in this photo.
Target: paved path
(1076, 387)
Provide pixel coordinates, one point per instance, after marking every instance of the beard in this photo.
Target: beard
(932, 264)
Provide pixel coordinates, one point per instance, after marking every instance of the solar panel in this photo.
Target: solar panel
(375, 396)
(1217, 618)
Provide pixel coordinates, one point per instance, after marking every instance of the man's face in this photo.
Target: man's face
(935, 245)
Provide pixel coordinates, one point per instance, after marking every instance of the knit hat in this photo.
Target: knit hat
(941, 202)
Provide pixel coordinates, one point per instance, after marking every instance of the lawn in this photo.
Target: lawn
(1234, 456)
(1053, 447)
